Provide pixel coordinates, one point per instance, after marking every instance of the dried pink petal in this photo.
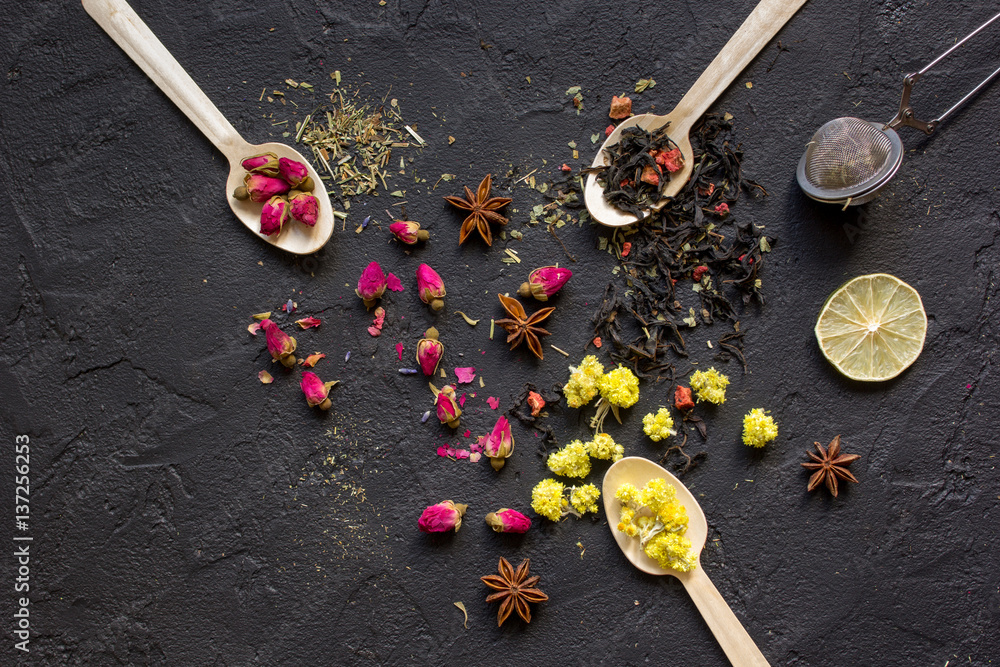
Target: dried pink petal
(493, 401)
(461, 453)
(430, 287)
(265, 377)
(376, 328)
(308, 322)
(465, 374)
(475, 456)
(273, 215)
(461, 400)
(393, 283)
(254, 328)
(261, 187)
(313, 359)
(444, 516)
(536, 402)
(292, 171)
(399, 350)
(442, 451)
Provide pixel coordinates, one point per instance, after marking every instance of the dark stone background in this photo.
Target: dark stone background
(185, 514)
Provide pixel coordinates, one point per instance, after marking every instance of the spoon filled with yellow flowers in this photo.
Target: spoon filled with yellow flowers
(661, 529)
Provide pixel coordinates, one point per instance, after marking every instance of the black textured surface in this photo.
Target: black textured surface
(185, 514)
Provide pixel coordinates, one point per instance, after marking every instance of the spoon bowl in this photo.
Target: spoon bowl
(122, 24)
(294, 236)
(764, 22)
(730, 633)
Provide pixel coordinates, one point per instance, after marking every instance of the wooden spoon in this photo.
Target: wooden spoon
(763, 23)
(138, 41)
(735, 642)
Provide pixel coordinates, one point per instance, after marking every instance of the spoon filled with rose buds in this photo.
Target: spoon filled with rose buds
(661, 529)
(272, 189)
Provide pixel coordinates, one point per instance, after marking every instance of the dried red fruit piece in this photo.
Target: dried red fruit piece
(621, 107)
(683, 400)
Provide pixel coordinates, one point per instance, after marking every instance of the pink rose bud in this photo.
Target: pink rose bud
(499, 444)
(273, 215)
(279, 344)
(545, 282)
(506, 520)
(304, 208)
(261, 187)
(447, 408)
(293, 172)
(442, 517)
(265, 163)
(429, 352)
(408, 232)
(430, 287)
(371, 284)
(317, 392)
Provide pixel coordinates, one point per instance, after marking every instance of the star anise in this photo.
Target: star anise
(515, 590)
(830, 465)
(520, 327)
(483, 211)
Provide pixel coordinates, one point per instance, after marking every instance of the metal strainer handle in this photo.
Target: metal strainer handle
(905, 114)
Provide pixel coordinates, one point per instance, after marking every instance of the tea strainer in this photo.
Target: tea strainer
(849, 160)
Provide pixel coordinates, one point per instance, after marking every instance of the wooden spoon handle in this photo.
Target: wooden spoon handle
(728, 631)
(120, 21)
(764, 22)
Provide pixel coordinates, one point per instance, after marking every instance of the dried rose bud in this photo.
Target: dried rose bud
(304, 208)
(429, 352)
(544, 282)
(265, 163)
(506, 520)
(371, 284)
(408, 232)
(500, 444)
(447, 408)
(682, 398)
(279, 344)
(442, 517)
(292, 171)
(261, 188)
(536, 402)
(241, 193)
(621, 107)
(273, 215)
(430, 287)
(317, 392)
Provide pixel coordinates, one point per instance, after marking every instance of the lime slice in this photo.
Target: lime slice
(872, 328)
